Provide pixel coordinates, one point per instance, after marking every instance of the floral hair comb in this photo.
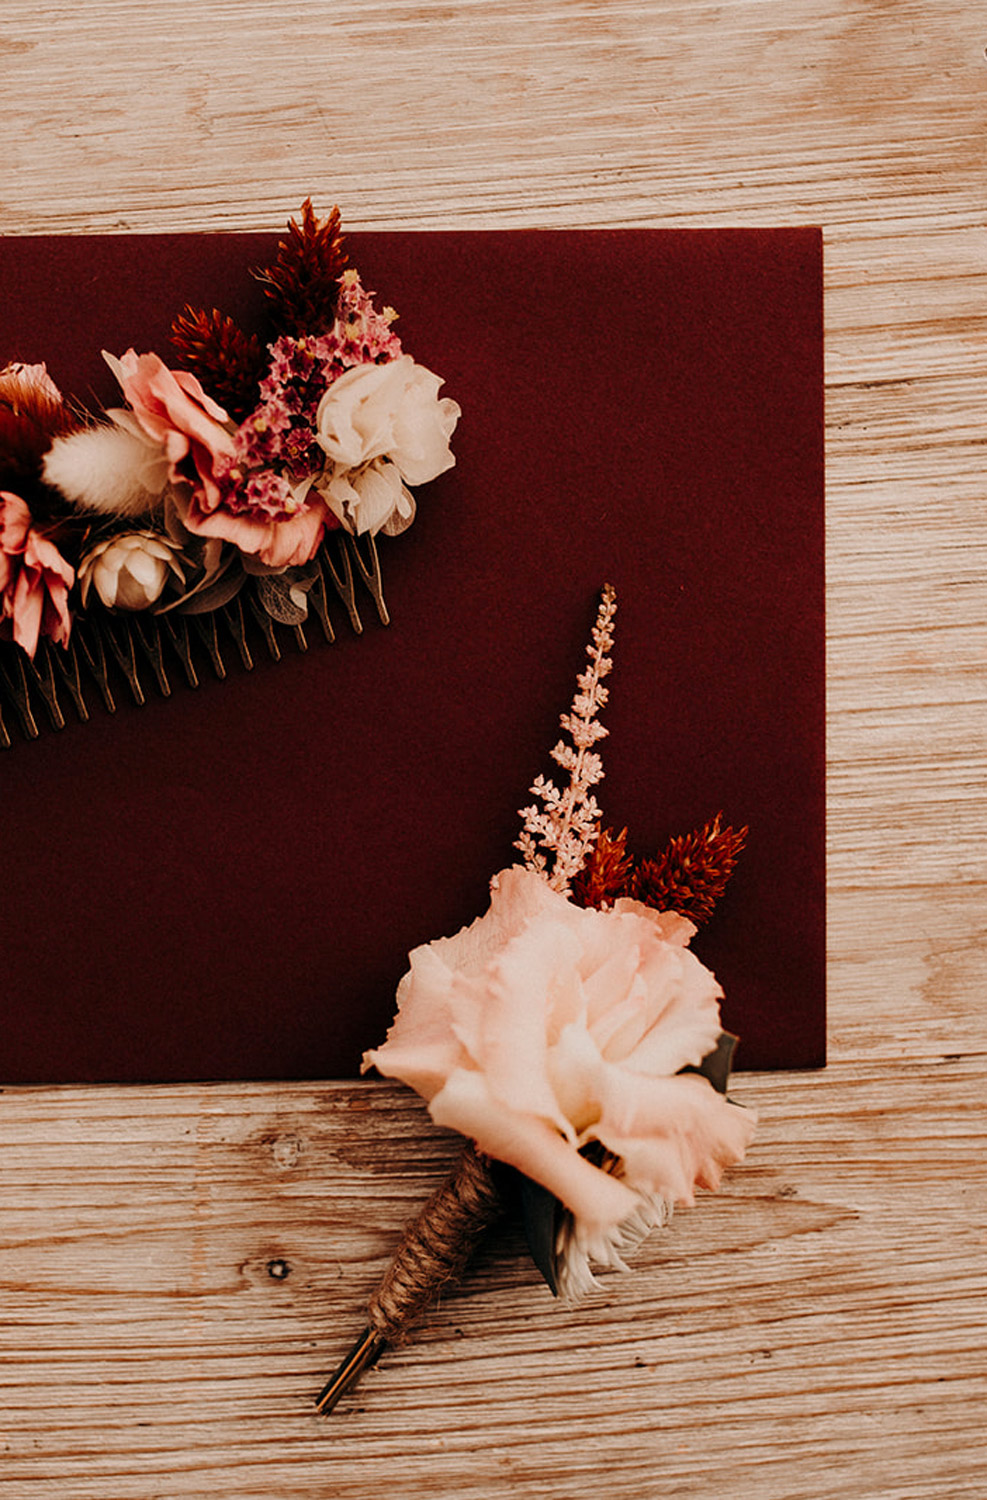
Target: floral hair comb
(571, 1036)
(227, 501)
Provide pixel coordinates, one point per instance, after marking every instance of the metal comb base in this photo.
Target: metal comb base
(148, 651)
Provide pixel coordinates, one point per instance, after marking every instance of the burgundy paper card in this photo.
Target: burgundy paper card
(225, 884)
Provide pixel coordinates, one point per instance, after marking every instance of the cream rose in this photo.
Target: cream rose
(545, 1026)
(382, 428)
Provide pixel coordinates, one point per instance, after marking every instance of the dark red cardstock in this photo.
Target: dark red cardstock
(226, 884)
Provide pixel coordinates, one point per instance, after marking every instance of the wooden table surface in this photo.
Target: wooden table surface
(180, 1265)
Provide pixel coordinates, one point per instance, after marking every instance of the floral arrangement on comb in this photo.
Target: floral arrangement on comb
(219, 481)
(572, 1037)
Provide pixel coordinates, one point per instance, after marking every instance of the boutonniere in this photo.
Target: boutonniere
(573, 1039)
(239, 487)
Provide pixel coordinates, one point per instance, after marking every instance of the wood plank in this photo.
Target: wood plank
(215, 1245)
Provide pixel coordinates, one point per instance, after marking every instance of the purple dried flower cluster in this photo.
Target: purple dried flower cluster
(278, 438)
(262, 492)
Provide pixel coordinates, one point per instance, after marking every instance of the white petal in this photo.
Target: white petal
(579, 1245)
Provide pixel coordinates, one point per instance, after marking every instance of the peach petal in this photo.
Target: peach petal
(530, 1144)
(421, 1046)
(671, 926)
(503, 1023)
(34, 579)
(15, 522)
(672, 1133)
(28, 607)
(283, 543)
(175, 411)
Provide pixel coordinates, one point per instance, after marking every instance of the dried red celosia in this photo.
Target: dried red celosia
(606, 873)
(229, 363)
(691, 874)
(303, 283)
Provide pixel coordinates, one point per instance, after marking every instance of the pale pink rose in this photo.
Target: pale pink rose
(176, 412)
(545, 1026)
(374, 413)
(34, 579)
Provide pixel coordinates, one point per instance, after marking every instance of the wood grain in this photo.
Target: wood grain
(173, 1301)
(180, 1266)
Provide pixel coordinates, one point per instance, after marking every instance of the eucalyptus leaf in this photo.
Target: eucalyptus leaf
(279, 595)
(224, 587)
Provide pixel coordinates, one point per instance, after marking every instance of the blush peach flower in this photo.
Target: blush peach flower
(34, 580)
(544, 1027)
(283, 541)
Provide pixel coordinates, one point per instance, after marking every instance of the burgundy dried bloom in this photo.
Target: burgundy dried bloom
(691, 874)
(606, 873)
(229, 363)
(32, 415)
(303, 283)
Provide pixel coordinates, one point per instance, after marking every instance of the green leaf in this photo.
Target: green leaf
(716, 1064)
(540, 1212)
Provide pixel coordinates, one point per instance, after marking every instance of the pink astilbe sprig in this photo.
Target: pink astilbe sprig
(558, 837)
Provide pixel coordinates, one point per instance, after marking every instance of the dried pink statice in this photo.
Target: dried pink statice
(568, 822)
(281, 431)
(261, 493)
(365, 335)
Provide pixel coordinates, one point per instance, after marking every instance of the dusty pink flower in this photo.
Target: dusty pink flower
(34, 579)
(172, 408)
(284, 541)
(546, 1026)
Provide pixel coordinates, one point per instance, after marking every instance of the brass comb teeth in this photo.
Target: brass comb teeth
(145, 651)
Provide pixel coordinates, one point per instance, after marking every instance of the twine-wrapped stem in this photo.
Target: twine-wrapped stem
(433, 1252)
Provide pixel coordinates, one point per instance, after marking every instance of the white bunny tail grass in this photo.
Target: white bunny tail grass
(111, 469)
